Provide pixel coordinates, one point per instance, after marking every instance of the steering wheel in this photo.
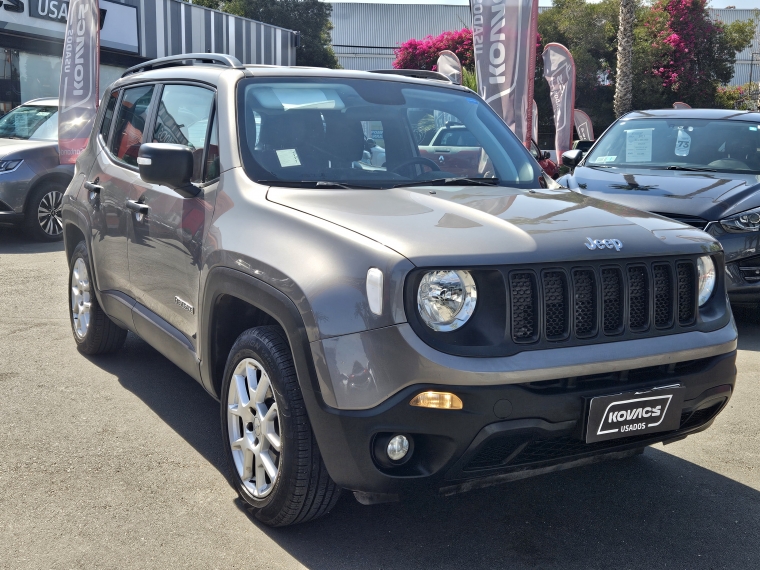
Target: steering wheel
(416, 160)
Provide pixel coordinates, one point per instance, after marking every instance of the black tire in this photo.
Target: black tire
(46, 197)
(102, 335)
(302, 489)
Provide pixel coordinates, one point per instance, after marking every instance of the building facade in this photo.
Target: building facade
(366, 34)
(133, 31)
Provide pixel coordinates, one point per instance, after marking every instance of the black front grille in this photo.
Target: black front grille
(517, 450)
(638, 298)
(584, 302)
(558, 304)
(524, 307)
(663, 296)
(693, 221)
(555, 305)
(687, 292)
(612, 300)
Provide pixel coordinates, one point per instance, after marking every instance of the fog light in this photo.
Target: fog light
(398, 447)
(440, 400)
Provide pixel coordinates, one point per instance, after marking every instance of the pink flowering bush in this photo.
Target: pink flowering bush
(423, 54)
(689, 55)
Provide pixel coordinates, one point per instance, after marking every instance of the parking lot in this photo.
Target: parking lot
(116, 462)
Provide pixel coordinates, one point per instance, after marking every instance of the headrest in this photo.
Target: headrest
(344, 137)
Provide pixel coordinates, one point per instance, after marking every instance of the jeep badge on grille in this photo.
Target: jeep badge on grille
(615, 244)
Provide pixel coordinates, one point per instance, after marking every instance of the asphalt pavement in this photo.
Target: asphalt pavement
(116, 462)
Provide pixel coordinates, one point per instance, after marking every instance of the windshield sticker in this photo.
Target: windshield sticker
(638, 147)
(683, 143)
(601, 159)
(288, 157)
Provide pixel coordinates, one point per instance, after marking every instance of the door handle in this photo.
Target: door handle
(92, 186)
(138, 207)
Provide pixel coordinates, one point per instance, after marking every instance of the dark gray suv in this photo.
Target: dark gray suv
(383, 329)
(32, 181)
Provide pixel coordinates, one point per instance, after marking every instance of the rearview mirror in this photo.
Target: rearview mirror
(169, 165)
(571, 158)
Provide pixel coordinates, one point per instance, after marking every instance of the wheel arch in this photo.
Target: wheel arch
(233, 302)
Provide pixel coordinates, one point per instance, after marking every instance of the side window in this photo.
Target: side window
(212, 156)
(105, 126)
(183, 117)
(130, 123)
(374, 144)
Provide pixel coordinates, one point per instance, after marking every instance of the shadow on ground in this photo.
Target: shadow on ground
(651, 511)
(14, 241)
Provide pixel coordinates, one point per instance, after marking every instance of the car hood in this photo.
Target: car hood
(494, 225)
(709, 195)
(16, 148)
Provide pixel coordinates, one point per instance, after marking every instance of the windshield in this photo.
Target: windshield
(697, 144)
(32, 122)
(374, 133)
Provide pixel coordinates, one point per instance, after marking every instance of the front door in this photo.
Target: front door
(166, 245)
(114, 171)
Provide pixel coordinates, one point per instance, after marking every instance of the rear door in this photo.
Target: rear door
(166, 245)
(115, 172)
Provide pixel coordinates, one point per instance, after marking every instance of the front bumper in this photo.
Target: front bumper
(506, 429)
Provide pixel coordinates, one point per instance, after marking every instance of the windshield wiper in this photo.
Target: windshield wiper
(315, 184)
(691, 168)
(599, 166)
(459, 181)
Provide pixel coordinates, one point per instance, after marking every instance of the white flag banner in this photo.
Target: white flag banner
(504, 40)
(78, 89)
(449, 64)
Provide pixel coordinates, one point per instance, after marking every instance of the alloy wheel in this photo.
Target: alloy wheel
(49, 213)
(80, 298)
(253, 426)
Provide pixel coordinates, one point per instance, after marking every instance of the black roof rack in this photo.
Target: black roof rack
(418, 73)
(186, 59)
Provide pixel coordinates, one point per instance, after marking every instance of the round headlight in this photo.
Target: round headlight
(706, 271)
(446, 299)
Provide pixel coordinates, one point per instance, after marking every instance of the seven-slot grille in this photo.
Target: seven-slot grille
(555, 304)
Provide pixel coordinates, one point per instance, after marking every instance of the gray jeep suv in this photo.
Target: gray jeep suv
(384, 330)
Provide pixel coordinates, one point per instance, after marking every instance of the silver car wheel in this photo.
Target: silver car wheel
(253, 426)
(49, 213)
(80, 298)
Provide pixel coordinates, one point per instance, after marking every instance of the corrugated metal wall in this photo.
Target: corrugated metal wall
(743, 59)
(364, 34)
(171, 27)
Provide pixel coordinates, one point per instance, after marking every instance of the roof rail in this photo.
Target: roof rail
(418, 73)
(186, 59)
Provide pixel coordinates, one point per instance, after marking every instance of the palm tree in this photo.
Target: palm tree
(624, 77)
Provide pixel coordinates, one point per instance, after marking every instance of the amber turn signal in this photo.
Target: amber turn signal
(440, 400)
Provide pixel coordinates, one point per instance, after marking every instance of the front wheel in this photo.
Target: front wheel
(43, 214)
(271, 450)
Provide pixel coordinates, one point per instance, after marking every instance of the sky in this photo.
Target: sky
(739, 4)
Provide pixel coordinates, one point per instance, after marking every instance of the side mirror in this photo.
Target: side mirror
(545, 155)
(169, 165)
(571, 158)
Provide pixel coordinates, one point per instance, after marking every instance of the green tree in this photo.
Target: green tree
(624, 74)
(310, 17)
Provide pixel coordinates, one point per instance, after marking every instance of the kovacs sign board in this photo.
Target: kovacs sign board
(55, 10)
(635, 413)
(118, 21)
